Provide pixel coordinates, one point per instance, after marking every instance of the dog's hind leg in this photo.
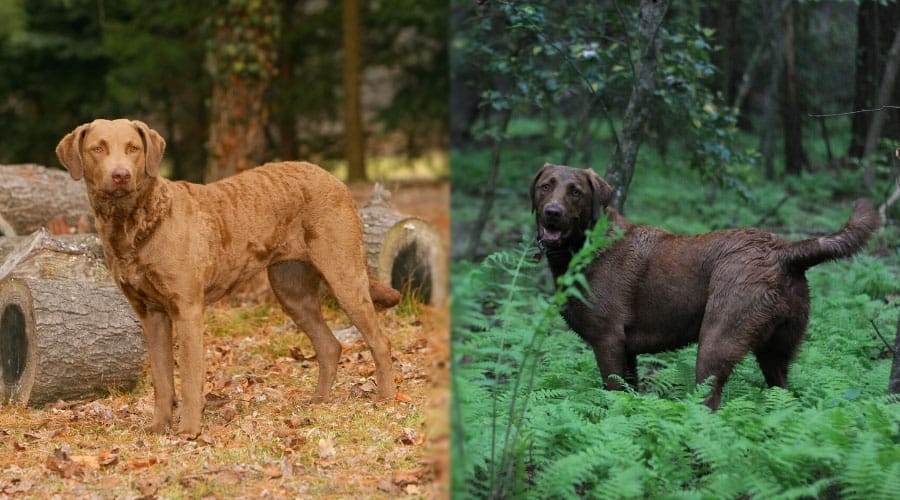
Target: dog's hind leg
(775, 355)
(722, 345)
(296, 286)
(350, 286)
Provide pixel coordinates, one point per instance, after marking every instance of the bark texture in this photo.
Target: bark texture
(621, 168)
(353, 131)
(243, 59)
(404, 251)
(31, 196)
(885, 90)
(66, 331)
(794, 157)
(66, 339)
(894, 383)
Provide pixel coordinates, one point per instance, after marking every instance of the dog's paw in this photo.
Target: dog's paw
(159, 425)
(189, 432)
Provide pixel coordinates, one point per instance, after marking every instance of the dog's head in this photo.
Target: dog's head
(115, 157)
(567, 202)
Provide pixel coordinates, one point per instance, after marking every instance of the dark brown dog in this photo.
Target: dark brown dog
(173, 247)
(735, 291)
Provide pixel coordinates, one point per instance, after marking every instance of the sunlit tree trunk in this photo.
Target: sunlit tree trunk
(355, 143)
(242, 60)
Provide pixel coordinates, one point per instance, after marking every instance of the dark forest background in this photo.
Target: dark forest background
(731, 88)
(229, 83)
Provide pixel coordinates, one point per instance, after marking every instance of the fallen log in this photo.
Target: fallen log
(405, 252)
(31, 196)
(66, 331)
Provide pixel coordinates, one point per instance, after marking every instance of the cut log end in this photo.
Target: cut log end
(412, 259)
(65, 339)
(13, 348)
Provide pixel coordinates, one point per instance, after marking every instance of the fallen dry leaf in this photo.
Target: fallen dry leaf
(142, 464)
(149, 486)
(61, 464)
(405, 477)
(327, 453)
(214, 400)
(295, 422)
(410, 437)
(402, 397)
(273, 471)
(388, 487)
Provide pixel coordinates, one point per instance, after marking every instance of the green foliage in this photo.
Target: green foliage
(572, 69)
(534, 421)
(498, 369)
(245, 34)
(65, 62)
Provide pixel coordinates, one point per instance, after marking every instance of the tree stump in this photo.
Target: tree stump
(66, 331)
(31, 196)
(405, 252)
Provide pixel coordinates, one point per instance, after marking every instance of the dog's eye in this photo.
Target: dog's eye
(575, 193)
(131, 148)
(545, 187)
(97, 149)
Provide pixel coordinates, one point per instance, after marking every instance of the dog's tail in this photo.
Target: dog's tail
(383, 296)
(802, 255)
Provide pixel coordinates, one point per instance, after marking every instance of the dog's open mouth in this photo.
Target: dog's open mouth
(549, 235)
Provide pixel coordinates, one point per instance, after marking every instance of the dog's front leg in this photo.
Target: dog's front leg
(158, 336)
(612, 358)
(189, 327)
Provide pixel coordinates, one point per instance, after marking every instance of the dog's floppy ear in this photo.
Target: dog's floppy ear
(601, 193)
(534, 185)
(69, 151)
(154, 147)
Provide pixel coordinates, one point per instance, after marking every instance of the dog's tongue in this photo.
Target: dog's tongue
(549, 235)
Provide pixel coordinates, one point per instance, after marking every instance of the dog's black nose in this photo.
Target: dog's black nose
(553, 211)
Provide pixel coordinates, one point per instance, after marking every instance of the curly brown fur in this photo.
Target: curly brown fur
(174, 246)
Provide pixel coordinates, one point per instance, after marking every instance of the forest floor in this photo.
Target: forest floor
(261, 437)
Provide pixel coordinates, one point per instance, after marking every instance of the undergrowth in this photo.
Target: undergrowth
(537, 424)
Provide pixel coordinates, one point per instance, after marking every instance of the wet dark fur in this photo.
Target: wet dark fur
(735, 291)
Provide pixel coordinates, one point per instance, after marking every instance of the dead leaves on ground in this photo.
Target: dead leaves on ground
(261, 435)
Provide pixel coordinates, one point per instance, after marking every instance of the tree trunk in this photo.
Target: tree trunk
(355, 143)
(243, 60)
(885, 91)
(764, 51)
(66, 331)
(724, 17)
(404, 252)
(490, 188)
(894, 383)
(621, 167)
(31, 196)
(793, 125)
(867, 55)
(288, 89)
